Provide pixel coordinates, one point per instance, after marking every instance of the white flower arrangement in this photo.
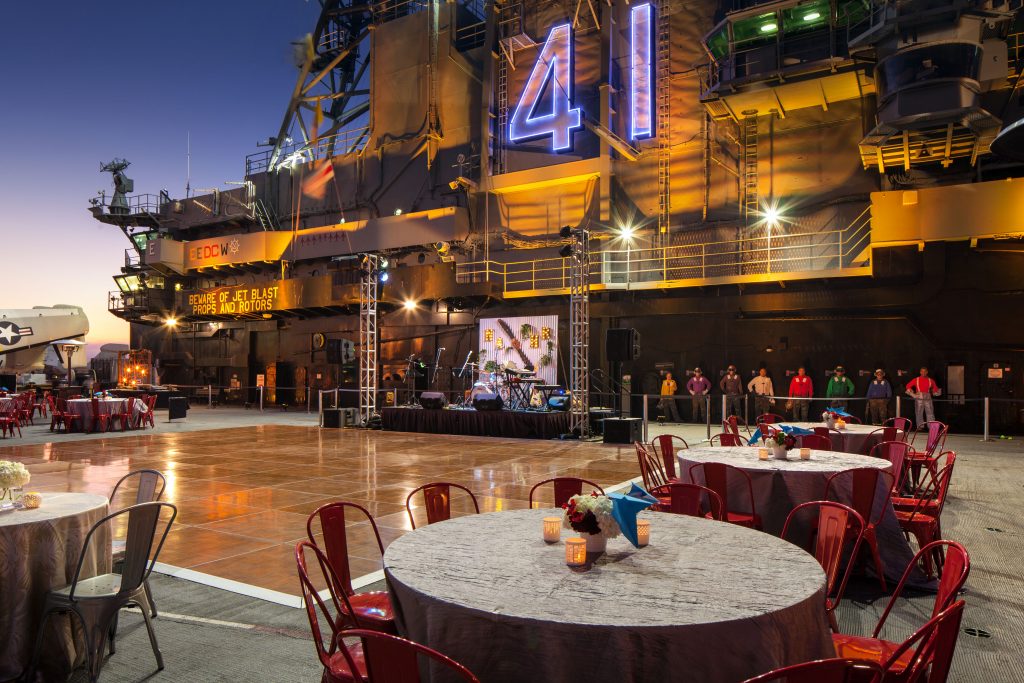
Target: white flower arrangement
(13, 475)
(591, 514)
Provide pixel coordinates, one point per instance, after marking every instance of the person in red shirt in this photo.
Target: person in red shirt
(800, 392)
(921, 389)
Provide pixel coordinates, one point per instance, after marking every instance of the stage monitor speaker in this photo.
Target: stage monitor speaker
(433, 400)
(558, 403)
(488, 402)
(622, 344)
(623, 430)
(335, 351)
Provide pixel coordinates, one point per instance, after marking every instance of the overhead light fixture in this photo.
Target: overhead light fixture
(384, 262)
(171, 322)
(409, 305)
(626, 232)
(811, 16)
(398, 212)
(769, 27)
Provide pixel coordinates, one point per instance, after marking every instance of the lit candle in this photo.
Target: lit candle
(575, 551)
(643, 532)
(762, 453)
(552, 529)
(805, 453)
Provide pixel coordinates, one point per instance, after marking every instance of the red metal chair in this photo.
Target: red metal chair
(390, 659)
(39, 406)
(852, 419)
(650, 467)
(24, 408)
(437, 500)
(688, 499)
(923, 516)
(728, 439)
(665, 446)
(824, 671)
(896, 453)
(918, 459)
(769, 418)
(877, 436)
(9, 419)
(733, 423)
(148, 416)
(72, 421)
(933, 646)
(837, 438)
(100, 420)
(716, 478)
(864, 483)
(372, 609)
(903, 425)
(815, 441)
(125, 415)
(565, 488)
(835, 525)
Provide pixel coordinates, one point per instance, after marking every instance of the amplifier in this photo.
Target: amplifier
(623, 429)
(488, 402)
(433, 399)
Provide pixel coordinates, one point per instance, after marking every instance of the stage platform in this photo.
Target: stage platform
(514, 424)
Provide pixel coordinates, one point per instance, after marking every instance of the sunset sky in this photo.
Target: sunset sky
(84, 82)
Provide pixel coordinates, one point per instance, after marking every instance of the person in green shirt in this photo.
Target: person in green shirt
(839, 388)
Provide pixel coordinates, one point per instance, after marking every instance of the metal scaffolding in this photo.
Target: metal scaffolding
(368, 290)
(579, 333)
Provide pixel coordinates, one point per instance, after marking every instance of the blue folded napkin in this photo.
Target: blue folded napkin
(625, 507)
(839, 411)
(786, 429)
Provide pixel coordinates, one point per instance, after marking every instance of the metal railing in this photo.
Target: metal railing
(341, 143)
(138, 204)
(623, 267)
(390, 10)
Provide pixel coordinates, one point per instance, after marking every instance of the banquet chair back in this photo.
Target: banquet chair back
(769, 418)
(864, 484)
(333, 519)
(327, 636)
(836, 670)
(650, 468)
(97, 600)
(565, 488)
(100, 420)
(852, 419)
(903, 425)
(836, 524)
(437, 501)
(816, 442)
(688, 499)
(728, 439)
(936, 432)
(877, 436)
(149, 485)
(665, 445)
(717, 476)
(896, 453)
(936, 644)
(834, 435)
(390, 659)
(733, 424)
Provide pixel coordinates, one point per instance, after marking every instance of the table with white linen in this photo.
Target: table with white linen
(708, 601)
(856, 438)
(39, 551)
(781, 485)
(107, 406)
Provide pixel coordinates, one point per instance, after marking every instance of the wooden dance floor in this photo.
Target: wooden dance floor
(243, 494)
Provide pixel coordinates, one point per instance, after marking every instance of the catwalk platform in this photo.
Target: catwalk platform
(512, 424)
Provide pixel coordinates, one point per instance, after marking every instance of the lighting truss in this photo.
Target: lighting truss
(579, 334)
(368, 291)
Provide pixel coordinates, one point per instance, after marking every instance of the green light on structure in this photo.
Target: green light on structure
(811, 16)
(769, 27)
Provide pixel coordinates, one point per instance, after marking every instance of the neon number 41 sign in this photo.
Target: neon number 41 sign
(553, 74)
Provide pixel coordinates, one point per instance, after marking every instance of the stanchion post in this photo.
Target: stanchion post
(724, 414)
(645, 418)
(261, 399)
(707, 413)
(899, 412)
(985, 434)
(209, 395)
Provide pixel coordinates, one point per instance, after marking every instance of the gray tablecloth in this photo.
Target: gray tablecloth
(39, 551)
(781, 485)
(855, 437)
(705, 601)
(108, 406)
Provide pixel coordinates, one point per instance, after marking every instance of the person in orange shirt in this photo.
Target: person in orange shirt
(668, 400)
(921, 389)
(801, 389)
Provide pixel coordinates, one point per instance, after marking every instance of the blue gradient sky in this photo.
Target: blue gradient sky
(83, 82)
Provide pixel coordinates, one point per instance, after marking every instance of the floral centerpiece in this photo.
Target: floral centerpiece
(830, 418)
(780, 442)
(12, 475)
(591, 516)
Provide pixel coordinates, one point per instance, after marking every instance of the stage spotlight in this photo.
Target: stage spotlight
(171, 322)
(384, 277)
(566, 231)
(566, 251)
(409, 305)
(384, 262)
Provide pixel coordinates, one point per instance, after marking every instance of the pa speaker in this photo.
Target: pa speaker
(488, 402)
(433, 400)
(621, 344)
(623, 430)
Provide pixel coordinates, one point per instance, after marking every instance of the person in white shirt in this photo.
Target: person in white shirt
(761, 387)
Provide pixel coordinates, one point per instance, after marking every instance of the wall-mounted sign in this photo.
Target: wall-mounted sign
(233, 300)
(995, 373)
(641, 86)
(552, 81)
(216, 251)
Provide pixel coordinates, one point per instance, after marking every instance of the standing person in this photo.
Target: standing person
(732, 386)
(761, 388)
(921, 389)
(839, 388)
(699, 387)
(668, 401)
(801, 389)
(879, 393)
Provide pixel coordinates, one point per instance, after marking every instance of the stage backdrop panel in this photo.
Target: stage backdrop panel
(523, 342)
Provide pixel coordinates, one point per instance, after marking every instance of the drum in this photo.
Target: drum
(481, 388)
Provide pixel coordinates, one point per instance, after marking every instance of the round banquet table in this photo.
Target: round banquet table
(856, 437)
(108, 406)
(708, 600)
(39, 551)
(781, 485)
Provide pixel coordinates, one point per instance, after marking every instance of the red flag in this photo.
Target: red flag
(315, 185)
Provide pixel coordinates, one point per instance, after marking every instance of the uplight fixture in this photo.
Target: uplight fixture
(769, 27)
(410, 305)
(811, 16)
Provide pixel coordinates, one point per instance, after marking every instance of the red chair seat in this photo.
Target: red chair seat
(375, 607)
(339, 670)
(910, 504)
(872, 650)
(907, 518)
(744, 519)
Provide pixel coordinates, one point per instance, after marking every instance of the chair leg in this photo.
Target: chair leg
(152, 637)
(149, 597)
(832, 621)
